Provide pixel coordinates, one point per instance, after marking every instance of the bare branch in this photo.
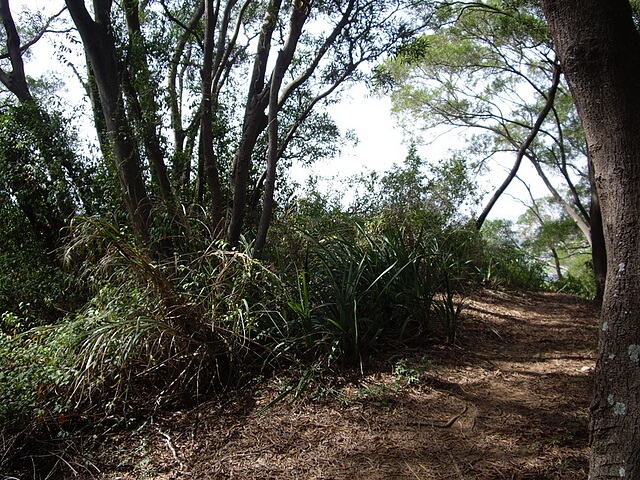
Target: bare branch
(45, 29)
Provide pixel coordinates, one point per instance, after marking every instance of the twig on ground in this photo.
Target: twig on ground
(167, 439)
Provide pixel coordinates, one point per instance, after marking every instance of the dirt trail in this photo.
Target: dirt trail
(510, 402)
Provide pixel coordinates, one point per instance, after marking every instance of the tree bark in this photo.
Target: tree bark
(599, 48)
(15, 81)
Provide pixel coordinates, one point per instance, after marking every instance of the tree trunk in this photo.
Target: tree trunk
(598, 249)
(141, 90)
(599, 48)
(99, 47)
(209, 163)
(15, 81)
(299, 14)
(255, 121)
(556, 263)
(181, 164)
(582, 224)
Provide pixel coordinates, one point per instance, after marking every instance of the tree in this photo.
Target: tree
(102, 58)
(240, 75)
(599, 47)
(41, 174)
(489, 67)
(43, 181)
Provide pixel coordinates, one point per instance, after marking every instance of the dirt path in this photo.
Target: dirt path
(511, 402)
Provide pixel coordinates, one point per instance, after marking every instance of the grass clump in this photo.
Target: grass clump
(165, 330)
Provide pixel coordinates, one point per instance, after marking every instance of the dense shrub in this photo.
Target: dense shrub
(357, 289)
(172, 329)
(35, 369)
(578, 279)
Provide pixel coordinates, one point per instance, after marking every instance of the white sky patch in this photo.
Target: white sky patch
(381, 143)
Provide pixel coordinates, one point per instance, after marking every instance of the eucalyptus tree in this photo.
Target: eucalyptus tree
(598, 45)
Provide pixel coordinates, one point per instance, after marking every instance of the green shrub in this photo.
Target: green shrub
(166, 330)
(502, 262)
(35, 369)
(579, 280)
(356, 292)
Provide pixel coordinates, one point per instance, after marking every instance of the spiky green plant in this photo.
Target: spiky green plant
(448, 311)
(366, 287)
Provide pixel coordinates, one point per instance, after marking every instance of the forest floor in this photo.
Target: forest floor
(509, 401)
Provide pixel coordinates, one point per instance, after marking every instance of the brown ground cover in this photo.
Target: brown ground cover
(509, 401)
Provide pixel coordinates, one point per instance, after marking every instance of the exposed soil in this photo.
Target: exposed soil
(509, 401)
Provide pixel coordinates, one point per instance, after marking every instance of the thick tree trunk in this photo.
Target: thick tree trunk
(599, 48)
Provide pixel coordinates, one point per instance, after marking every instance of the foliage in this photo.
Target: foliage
(448, 310)
(504, 262)
(35, 369)
(416, 188)
(40, 187)
(486, 70)
(578, 280)
(32, 285)
(202, 77)
(171, 328)
(554, 238)
(359, 289)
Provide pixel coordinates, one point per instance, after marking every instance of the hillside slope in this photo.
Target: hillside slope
(509, 401)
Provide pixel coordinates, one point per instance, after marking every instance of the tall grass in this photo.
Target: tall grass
(358, 291)
(163, 330)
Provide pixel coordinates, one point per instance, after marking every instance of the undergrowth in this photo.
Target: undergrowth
(162, 331)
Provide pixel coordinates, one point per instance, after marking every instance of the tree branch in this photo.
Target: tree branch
(524, 147)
